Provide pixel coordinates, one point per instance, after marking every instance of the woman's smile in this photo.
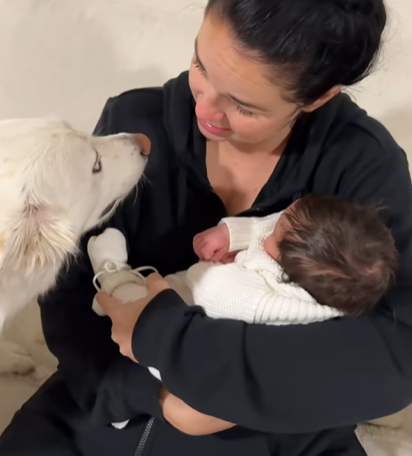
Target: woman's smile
(208, 127)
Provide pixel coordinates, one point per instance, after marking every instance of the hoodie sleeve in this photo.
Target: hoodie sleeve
(298, 379)
(96, 374)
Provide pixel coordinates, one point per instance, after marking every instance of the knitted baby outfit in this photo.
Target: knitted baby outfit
(252, 288)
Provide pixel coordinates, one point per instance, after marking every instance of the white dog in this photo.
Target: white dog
(55, 184)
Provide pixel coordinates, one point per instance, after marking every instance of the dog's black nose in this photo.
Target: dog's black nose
(143, 143)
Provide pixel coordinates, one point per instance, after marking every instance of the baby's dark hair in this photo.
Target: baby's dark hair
(339, 251)
(309, 46)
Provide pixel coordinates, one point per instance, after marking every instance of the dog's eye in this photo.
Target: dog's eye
(97, 167)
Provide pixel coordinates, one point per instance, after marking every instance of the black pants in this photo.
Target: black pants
(50, 424)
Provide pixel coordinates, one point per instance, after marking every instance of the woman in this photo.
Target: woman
(258, 122)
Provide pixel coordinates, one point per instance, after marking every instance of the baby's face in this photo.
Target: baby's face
(272, 241)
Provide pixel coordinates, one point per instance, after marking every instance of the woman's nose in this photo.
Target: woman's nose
(208, 109)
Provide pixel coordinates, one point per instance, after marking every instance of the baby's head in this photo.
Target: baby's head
(339, 251)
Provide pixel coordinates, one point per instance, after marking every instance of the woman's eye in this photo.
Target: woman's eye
(243, 111)
(196, 64)
(97, 167)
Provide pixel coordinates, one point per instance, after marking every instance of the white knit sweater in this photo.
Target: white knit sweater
(251, 289)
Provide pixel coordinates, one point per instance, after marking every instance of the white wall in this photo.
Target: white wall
(65, 57)
(387, 94)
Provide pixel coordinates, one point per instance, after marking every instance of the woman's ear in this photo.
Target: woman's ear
(323, 99)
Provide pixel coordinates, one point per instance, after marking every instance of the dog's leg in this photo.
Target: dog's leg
(14, 359)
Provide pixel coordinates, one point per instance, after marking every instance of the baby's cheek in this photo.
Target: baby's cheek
(271, 247)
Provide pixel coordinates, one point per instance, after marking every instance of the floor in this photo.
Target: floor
(15, 390)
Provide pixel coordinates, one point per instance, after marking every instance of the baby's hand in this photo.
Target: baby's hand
(229, 257)
(212, 244)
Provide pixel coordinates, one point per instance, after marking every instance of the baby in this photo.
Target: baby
(321, 258)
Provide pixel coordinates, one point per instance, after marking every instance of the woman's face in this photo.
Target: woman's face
(235, 100)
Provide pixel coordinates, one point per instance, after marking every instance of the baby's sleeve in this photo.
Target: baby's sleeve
(242, 230)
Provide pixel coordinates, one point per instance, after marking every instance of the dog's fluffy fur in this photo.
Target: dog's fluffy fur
(55, 184)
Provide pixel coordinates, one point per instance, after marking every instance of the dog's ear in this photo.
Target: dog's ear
(39, 236)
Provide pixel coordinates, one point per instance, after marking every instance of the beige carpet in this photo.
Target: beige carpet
(15, 390)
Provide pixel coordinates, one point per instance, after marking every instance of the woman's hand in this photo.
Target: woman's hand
(125, 315)
(188, 420)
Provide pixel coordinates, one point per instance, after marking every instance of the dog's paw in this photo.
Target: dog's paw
(15, 359)
(98, 308)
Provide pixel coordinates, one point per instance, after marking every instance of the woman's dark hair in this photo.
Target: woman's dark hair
(312, 45)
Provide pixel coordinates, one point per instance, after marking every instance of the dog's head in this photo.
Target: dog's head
(57, 183)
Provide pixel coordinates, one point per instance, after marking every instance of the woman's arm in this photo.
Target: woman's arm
(188, 420)
(297, 378)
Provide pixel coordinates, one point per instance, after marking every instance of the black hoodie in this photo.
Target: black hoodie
(269, 380)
